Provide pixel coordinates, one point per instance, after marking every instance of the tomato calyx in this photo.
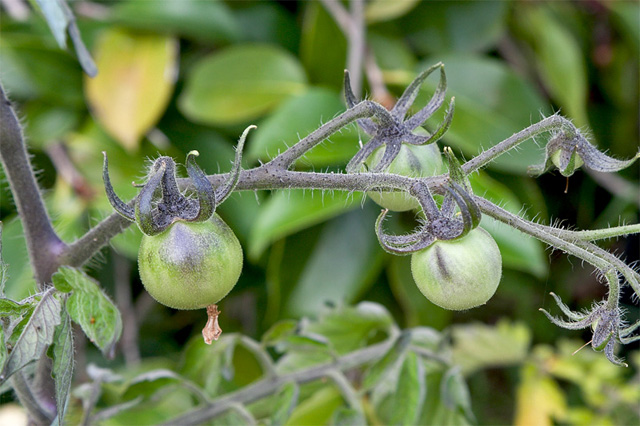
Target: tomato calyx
(393, 130)
(455, 218)
(155, 216)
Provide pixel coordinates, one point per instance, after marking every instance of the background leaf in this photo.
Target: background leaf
(62, 370)
(240, 84)
(137, 74)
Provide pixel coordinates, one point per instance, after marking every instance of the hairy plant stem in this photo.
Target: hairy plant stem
(43, 244)
(269, 385)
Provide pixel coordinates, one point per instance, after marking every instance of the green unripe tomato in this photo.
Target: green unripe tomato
(192, 264)
(459, 274)
(413, 161)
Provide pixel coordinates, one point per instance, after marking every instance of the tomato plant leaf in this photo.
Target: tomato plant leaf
(343, 264)
(296, 118)
(455, 394)
(62, 370)
(381, 368)
(36, 335)
(344, 416)
(137, 74)
(285, 401)
(384, 10)
(287, 212)
(278, 332)
(410, 392)
(207, 21)
(90, 308)
(222, 89)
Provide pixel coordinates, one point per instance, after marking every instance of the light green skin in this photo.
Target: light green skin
(413, 161)
(459, 274)
(190, 265)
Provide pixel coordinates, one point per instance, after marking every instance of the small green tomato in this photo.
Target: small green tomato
(412, 160)
(191, 265)
(459, 274)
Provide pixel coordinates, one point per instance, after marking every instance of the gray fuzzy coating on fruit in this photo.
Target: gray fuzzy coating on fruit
(190, 265)
(459, 274)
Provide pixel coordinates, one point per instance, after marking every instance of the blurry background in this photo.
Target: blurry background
(178, 75)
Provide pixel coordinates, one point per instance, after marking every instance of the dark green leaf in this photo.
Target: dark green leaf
(458, 26)
(240, 83)
(10, 308)
(287, 399)
(208, 21)
(90, 308)
(295, 119)
(492, 103)
(287, 212)
(559, 58)
(344, 263)
(410, 392)
(36, 336)
(268, 22)
(62, 370)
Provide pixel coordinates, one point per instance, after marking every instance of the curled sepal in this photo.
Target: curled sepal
(469, 210)
(204, 189)
(568, 152)
(225, 190)
(144, 202)
(411, 92)
(402, 244)
(604, 320)
(119, 206)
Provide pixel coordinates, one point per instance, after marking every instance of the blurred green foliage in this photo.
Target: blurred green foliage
(280, 65)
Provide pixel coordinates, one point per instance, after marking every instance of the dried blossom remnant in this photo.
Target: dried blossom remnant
(569, 152)
(608, 326)
(212, 330)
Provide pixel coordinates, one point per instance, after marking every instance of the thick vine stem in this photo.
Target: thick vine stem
(43, 244)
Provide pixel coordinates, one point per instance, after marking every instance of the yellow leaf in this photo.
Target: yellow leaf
(540, 399)
(135, 80)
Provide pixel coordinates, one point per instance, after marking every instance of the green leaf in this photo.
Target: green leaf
(269, 22)
(446, 26)
(48, 123)
(287, 212)
(559, 58)
(316, 409)
(137, 74)
(492, 103)
(519, 251)
(350, 328)
(240, 83)
(60, 20)
(410, 392)
(344, 416)
(3, 266)
(286, 400)
(385, 10)
(203, 364)
(62, 370)
(150, 382)
(207, 21)
(36, 336)
(455, 394)
(296, 118)
(343, 265)
(90, 308)
(381, 368)
(32, 70)
(478, 346)
(279, 331)
(323, 47)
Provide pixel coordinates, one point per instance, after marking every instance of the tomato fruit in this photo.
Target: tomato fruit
(190, 265)
(459, 274)
(412, 160)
